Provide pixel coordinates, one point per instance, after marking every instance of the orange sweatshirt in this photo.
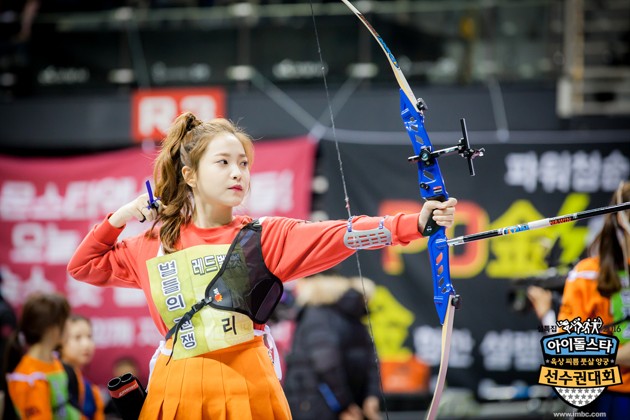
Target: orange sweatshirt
(291, 249)
(581, 299)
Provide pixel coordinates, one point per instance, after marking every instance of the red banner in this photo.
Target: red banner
(47, 205)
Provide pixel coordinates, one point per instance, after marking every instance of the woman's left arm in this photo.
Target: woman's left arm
(295, 248)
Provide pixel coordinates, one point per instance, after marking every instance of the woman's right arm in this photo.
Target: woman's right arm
(101, 259)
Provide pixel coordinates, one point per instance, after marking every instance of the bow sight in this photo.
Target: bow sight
(427, 156)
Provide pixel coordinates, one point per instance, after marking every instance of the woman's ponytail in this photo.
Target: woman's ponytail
(170, 184)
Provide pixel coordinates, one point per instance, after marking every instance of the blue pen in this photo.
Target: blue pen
(152, 201)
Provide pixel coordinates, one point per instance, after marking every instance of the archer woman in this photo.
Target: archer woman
(212, 279)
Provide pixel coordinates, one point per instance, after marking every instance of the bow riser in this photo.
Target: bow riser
(432, 187)
(431, 182)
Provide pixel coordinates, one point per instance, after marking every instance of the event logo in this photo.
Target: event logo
(580, 362)
(153, 110)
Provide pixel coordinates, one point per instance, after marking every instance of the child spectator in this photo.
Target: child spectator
(77, 352)
(37, 382)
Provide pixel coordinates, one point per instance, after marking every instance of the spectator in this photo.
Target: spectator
(332, 370)
(77, 352)
(8, 324)
(599, 286)
(37, 381)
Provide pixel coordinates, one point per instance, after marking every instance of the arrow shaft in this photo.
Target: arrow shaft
(537, 224)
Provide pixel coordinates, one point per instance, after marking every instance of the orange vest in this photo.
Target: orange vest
(581, 299)
(39, 390)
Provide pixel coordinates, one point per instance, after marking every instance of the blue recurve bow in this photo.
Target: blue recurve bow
(432, 187)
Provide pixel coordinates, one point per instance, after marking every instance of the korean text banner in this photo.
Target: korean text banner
(47, 206)
(496, 337)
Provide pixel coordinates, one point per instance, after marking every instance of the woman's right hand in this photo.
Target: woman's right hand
(138, 209)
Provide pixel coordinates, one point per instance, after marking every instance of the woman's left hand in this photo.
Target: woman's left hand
(443, 213)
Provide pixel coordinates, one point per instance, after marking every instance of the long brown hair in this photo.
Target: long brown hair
(184, 145)
(609, 249)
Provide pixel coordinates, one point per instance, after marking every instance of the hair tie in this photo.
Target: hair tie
(190, 123)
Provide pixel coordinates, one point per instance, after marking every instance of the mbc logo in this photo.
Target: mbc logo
(152, 112)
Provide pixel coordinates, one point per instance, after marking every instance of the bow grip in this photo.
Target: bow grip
(431, 226)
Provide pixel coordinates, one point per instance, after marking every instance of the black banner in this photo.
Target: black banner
(493, 343)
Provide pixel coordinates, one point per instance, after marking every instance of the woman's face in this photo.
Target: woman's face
(222, 178)
(78, 344)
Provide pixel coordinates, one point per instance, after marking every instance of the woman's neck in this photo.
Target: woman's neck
(212, 216)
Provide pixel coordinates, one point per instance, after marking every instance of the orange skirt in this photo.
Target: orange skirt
(232, 384)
